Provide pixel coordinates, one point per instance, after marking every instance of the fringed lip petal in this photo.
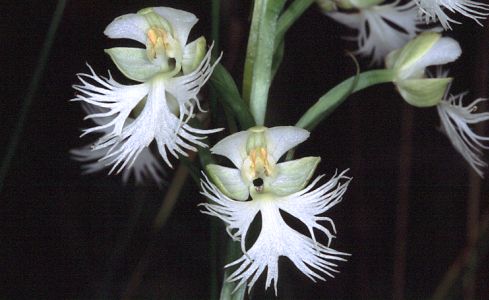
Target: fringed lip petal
(455, 119)
(276, 238)
(376, 34)
(185, 88)
(432, 11)
(146, 167)
(124, 140)
(118, 100)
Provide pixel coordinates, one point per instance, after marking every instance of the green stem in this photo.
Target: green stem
(215, 13)
(31, 91)
(233, 252)
(467, 262)
(261, 77)
(334, 97)
(251, 51)
(171, 196)
(288, 18)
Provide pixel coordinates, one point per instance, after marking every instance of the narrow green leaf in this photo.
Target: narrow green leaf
(233, 253)
(229, 96)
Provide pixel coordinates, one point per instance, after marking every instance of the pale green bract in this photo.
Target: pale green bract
(410, 62)
(271, 186)
(171, 74)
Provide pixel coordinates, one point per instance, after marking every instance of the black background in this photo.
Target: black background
(66, 236)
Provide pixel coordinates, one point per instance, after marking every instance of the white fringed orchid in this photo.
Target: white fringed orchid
(376, 34)
(410, 62)
(146, 167)
(455, 120)
(255, 153)
(273, 187)
(433, 10)
(171, 73)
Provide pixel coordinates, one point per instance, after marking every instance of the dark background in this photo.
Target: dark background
(67, 236)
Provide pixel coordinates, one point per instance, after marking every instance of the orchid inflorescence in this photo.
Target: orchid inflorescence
(161, 109)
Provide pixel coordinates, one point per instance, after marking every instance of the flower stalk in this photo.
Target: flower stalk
(337, 95)
(259, 57)
(289, 16)
(31, 91)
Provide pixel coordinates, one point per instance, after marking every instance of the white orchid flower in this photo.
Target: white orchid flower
(256, 153)
(410, 62)
(146, 167)
(455, 120)
(273, 187)
(381, 28)
(433, 10)
(171, 73)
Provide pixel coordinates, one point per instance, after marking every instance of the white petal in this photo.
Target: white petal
(90, 109)
(130, 26)
(277, 239)
(455, 119)
(281, 139)
(237, 215)
(155, 122)
(185, 88)
(308, 204)
(353, 20)
(181, 21)
(115, 99)
(233, 147)
(146, 168)
(444, 51)
(89, 158)
(376, 34)
(431, 10)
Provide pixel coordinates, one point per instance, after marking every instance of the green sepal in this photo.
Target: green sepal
(327, 5)
(349, 4)
(193, 55)
(424, 92)
(412, 52)
(133, 63)
(292, 176)
(229, 181)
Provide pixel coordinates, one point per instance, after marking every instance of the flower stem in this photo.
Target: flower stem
(31, 91)
(213, 269)
(465, 262)
(334, 97)
(259, 58)
(233, 252)
(289, 16)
